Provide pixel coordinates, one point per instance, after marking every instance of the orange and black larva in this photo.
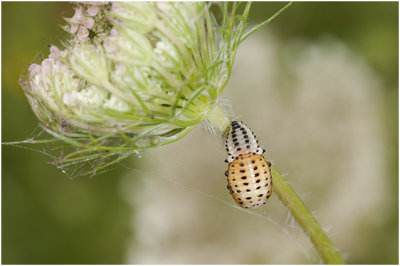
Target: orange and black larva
(249, 174)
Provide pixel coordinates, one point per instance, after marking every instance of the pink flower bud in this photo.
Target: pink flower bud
(33, 69)
(54, 53)
(78, 16)
(83, 34)
(88, 23)
(93, 10)
(74, 28)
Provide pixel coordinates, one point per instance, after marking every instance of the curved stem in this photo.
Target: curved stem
(218, 122)
(304, 217)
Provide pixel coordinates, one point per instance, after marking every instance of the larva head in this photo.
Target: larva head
(241, 140)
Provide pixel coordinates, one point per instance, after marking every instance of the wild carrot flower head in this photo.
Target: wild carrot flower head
(133, 75)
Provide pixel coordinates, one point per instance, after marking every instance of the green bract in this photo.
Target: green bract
(134, 75)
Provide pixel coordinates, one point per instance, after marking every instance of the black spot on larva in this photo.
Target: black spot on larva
(244, 131)
(268, 196)
(263, 165)
(258, 180)
(264, 202)
(235, 157)
(241, 164)
(244, 177)
(260, 159)
(254, 153)
(263, 150)
(266, 185)
(245, 184)
(257, 150)
(245, 136)
(246, 207)
(251, 202)
(261, 195)
(248, 146)
(238, 149)
(269, 164)
(257, 174)
(248, 197)
(226, 173)
(234, 140)
(252, 161)
(234, 179)
(234, 136)
(248, 190)
(255, 168)
(235, 185)
(265, 172)
(258, 187)
(232, 172)
(238, 191)
(236, 143)
(226, 160)
(242, 170)
(241, 202)
(247, 141)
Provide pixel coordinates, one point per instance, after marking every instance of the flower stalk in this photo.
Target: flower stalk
(288, 197)
(305, 219)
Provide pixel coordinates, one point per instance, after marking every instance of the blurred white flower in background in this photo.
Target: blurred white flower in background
(316, 107)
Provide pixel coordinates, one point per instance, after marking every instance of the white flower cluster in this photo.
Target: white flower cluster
(65, 92)
(145, 71)
(86, 18)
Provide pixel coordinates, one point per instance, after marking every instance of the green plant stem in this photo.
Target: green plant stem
(218, 120)
(304, 217)
(219, 123)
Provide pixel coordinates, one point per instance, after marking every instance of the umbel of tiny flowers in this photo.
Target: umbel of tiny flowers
(135, 75)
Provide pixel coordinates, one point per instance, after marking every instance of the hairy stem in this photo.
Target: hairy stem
(304, 217)
(218, 122)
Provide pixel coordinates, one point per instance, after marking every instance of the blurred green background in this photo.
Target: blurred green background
(50, 219)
